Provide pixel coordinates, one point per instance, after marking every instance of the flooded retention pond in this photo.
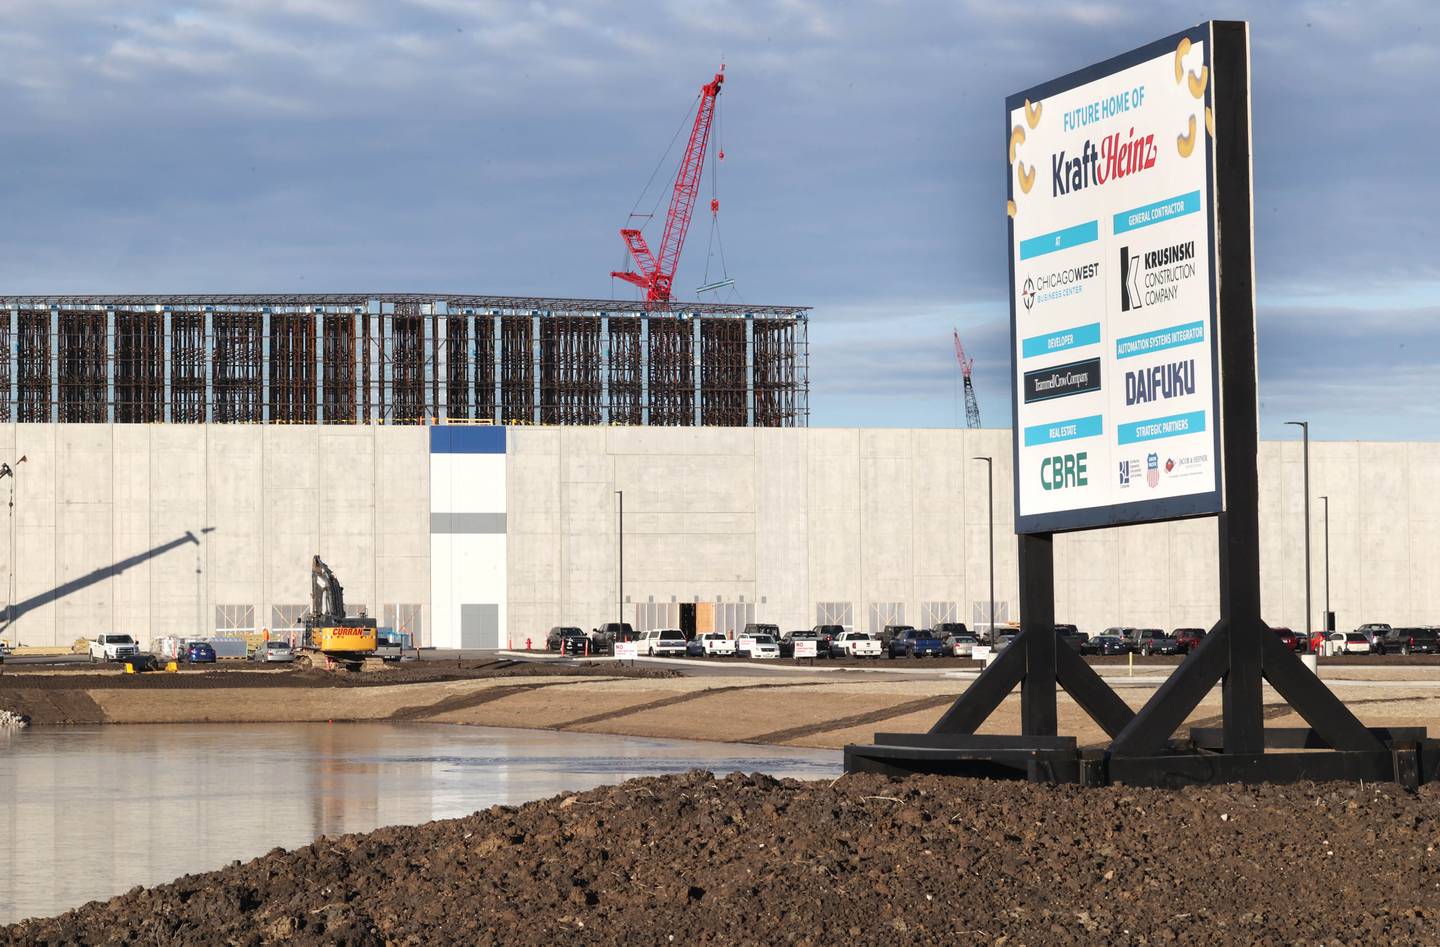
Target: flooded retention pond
(92, 811)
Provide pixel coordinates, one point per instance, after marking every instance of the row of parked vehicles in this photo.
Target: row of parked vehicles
(955, 639)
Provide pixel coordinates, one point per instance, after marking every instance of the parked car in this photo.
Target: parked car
(1347, 642)
(1151, 641)
(602, 639)
(787, 643)
(950, 629)
(658, 642)
(389, 646)
(556, 639)
(715, 644)
(1070, 635)
(273, 652)
(890, 632)
(1105, 644)
(962, 646)
(855, 644)
(1006, 639)
(199, 652)
(757, 646)
(1374, 631)
(113, 648)
(916, 643)
(1409, 641)
(1287, 638)
(827, 633)
(1187, 638)
(761, 628)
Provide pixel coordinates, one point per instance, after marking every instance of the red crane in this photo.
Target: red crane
(657, 271)
(972, 407)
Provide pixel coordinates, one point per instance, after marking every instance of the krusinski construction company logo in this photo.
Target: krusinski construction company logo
(1154, 277)
(1057, 284)
(1117, 157)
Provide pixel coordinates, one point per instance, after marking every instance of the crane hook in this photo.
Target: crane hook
(714, 205)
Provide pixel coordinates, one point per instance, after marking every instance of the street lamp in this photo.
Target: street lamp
(990, 519)
(1304, 427)
(8, 471)
(620, 588)
(1327, 563)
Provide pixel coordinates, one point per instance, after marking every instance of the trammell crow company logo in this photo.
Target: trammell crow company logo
(1152, 469)
(1154, 276)
(1072, 379)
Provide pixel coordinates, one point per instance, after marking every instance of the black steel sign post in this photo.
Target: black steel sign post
(1135, 395)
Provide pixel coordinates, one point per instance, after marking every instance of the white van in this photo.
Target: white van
(658, 642)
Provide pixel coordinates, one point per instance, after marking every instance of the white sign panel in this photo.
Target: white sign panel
(1113, 292)
(626, 650)
(804, 649)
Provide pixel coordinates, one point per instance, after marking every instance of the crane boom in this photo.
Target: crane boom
(657, 270)
(972, 407)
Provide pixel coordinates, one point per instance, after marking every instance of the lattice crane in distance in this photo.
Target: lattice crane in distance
(657, 270)
(972, 407)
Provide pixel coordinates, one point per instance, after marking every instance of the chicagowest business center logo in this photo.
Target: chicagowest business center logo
(1154, 277)
(1058, 284)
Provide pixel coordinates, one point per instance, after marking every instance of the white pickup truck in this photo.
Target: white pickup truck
(113, 648)
(855, 644)
(716, 644)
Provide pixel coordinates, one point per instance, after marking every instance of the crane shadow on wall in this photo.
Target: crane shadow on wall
(99, 575)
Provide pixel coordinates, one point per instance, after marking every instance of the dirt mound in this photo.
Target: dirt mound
(751, 859)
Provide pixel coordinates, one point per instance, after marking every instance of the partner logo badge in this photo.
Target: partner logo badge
(1057, 284)
(1129, 280)
(1124, 473)
(1152, 469)
(1028, 295)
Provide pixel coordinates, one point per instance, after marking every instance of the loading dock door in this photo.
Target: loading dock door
(480, 626)
(687, 619)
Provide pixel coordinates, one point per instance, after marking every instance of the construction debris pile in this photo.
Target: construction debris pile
(863, 859)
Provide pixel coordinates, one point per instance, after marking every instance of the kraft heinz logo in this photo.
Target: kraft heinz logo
(1118, 156)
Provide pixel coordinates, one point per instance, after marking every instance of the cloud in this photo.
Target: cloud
(494, 146)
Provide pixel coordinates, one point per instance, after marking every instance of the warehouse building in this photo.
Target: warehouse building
(486, 535)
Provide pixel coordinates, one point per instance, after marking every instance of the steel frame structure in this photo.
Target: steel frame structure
(400, 358)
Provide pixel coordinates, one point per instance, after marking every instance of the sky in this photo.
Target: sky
(497, 147)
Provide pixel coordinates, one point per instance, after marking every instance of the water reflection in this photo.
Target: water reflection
(92, 811)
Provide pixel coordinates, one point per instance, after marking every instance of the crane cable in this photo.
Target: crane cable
(625, 260)
(716, 156)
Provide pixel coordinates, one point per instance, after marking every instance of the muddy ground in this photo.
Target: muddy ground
(865, 859)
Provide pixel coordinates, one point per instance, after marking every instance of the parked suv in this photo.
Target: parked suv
(1409, 641)
(662, 641)
(566, 639)
(1374, 631)
(760, 628)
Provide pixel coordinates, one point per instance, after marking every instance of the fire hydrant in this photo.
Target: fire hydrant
(527, 644)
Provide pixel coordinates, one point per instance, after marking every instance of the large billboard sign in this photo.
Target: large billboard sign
(1112, 291)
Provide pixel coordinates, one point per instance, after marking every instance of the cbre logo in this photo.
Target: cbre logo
(1063, 470)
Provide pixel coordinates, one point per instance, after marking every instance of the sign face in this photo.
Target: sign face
(1112, 291)
(804, 649)
(627, 650)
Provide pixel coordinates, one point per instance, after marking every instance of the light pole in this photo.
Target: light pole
(1327, 563)
(8, 471)
(620, 587)
(990, 521)
(1304, 427)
